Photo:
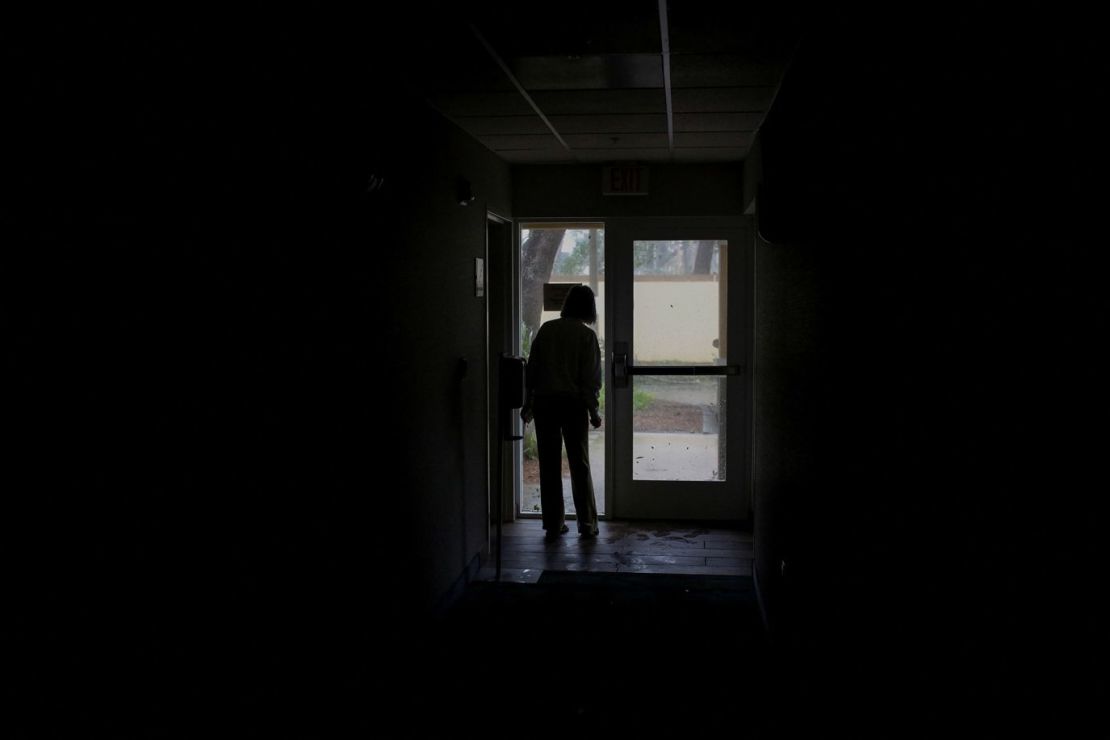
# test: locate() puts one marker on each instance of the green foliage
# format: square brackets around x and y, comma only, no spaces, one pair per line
[530,450]
[525,339]
[640,399]
[578,261]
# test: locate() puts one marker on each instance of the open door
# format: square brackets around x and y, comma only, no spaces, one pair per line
[555,255]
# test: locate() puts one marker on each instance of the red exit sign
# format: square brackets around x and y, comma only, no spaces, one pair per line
[627,180]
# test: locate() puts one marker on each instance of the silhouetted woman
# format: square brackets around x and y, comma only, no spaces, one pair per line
[563,379]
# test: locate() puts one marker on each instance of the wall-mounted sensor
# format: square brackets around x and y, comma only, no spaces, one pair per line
[375,183]
[464,194]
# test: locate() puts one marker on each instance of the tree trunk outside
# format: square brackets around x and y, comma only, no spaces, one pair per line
[704,259]
[537,259]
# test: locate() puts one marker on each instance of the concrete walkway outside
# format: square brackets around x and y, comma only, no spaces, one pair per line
[655,456]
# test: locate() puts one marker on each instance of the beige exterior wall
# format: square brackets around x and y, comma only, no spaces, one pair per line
[676,320]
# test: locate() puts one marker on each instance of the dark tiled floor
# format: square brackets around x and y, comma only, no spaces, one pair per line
[592,654]
[624,547]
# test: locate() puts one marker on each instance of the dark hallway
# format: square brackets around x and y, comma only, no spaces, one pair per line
[247,487]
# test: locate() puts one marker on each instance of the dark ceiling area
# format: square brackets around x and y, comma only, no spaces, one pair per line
[634,80]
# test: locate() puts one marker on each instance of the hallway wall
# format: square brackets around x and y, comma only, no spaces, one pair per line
[786,362]
[437,419]
[923,358]
[242,444]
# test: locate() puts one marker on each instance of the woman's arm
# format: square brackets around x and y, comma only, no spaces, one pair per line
[530,366]
[591,380]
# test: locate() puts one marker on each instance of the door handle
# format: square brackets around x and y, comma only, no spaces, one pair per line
[685,370]
[620,370]
[620,365]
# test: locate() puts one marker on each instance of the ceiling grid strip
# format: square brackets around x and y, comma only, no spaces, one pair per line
[516,83]
[665,35]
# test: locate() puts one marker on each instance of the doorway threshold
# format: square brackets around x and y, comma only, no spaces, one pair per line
[676,548]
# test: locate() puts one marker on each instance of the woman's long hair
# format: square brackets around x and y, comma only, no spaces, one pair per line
[579,304]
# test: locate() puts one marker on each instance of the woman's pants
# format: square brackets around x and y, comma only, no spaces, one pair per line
[560,420]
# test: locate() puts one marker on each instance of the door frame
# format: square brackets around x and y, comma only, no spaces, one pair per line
[500,336]
[740,234]
[518,452]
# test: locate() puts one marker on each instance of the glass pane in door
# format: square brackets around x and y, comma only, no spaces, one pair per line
[679,319]
[676,428]
[560,254]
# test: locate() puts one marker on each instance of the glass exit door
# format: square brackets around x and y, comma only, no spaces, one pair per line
[678,369]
